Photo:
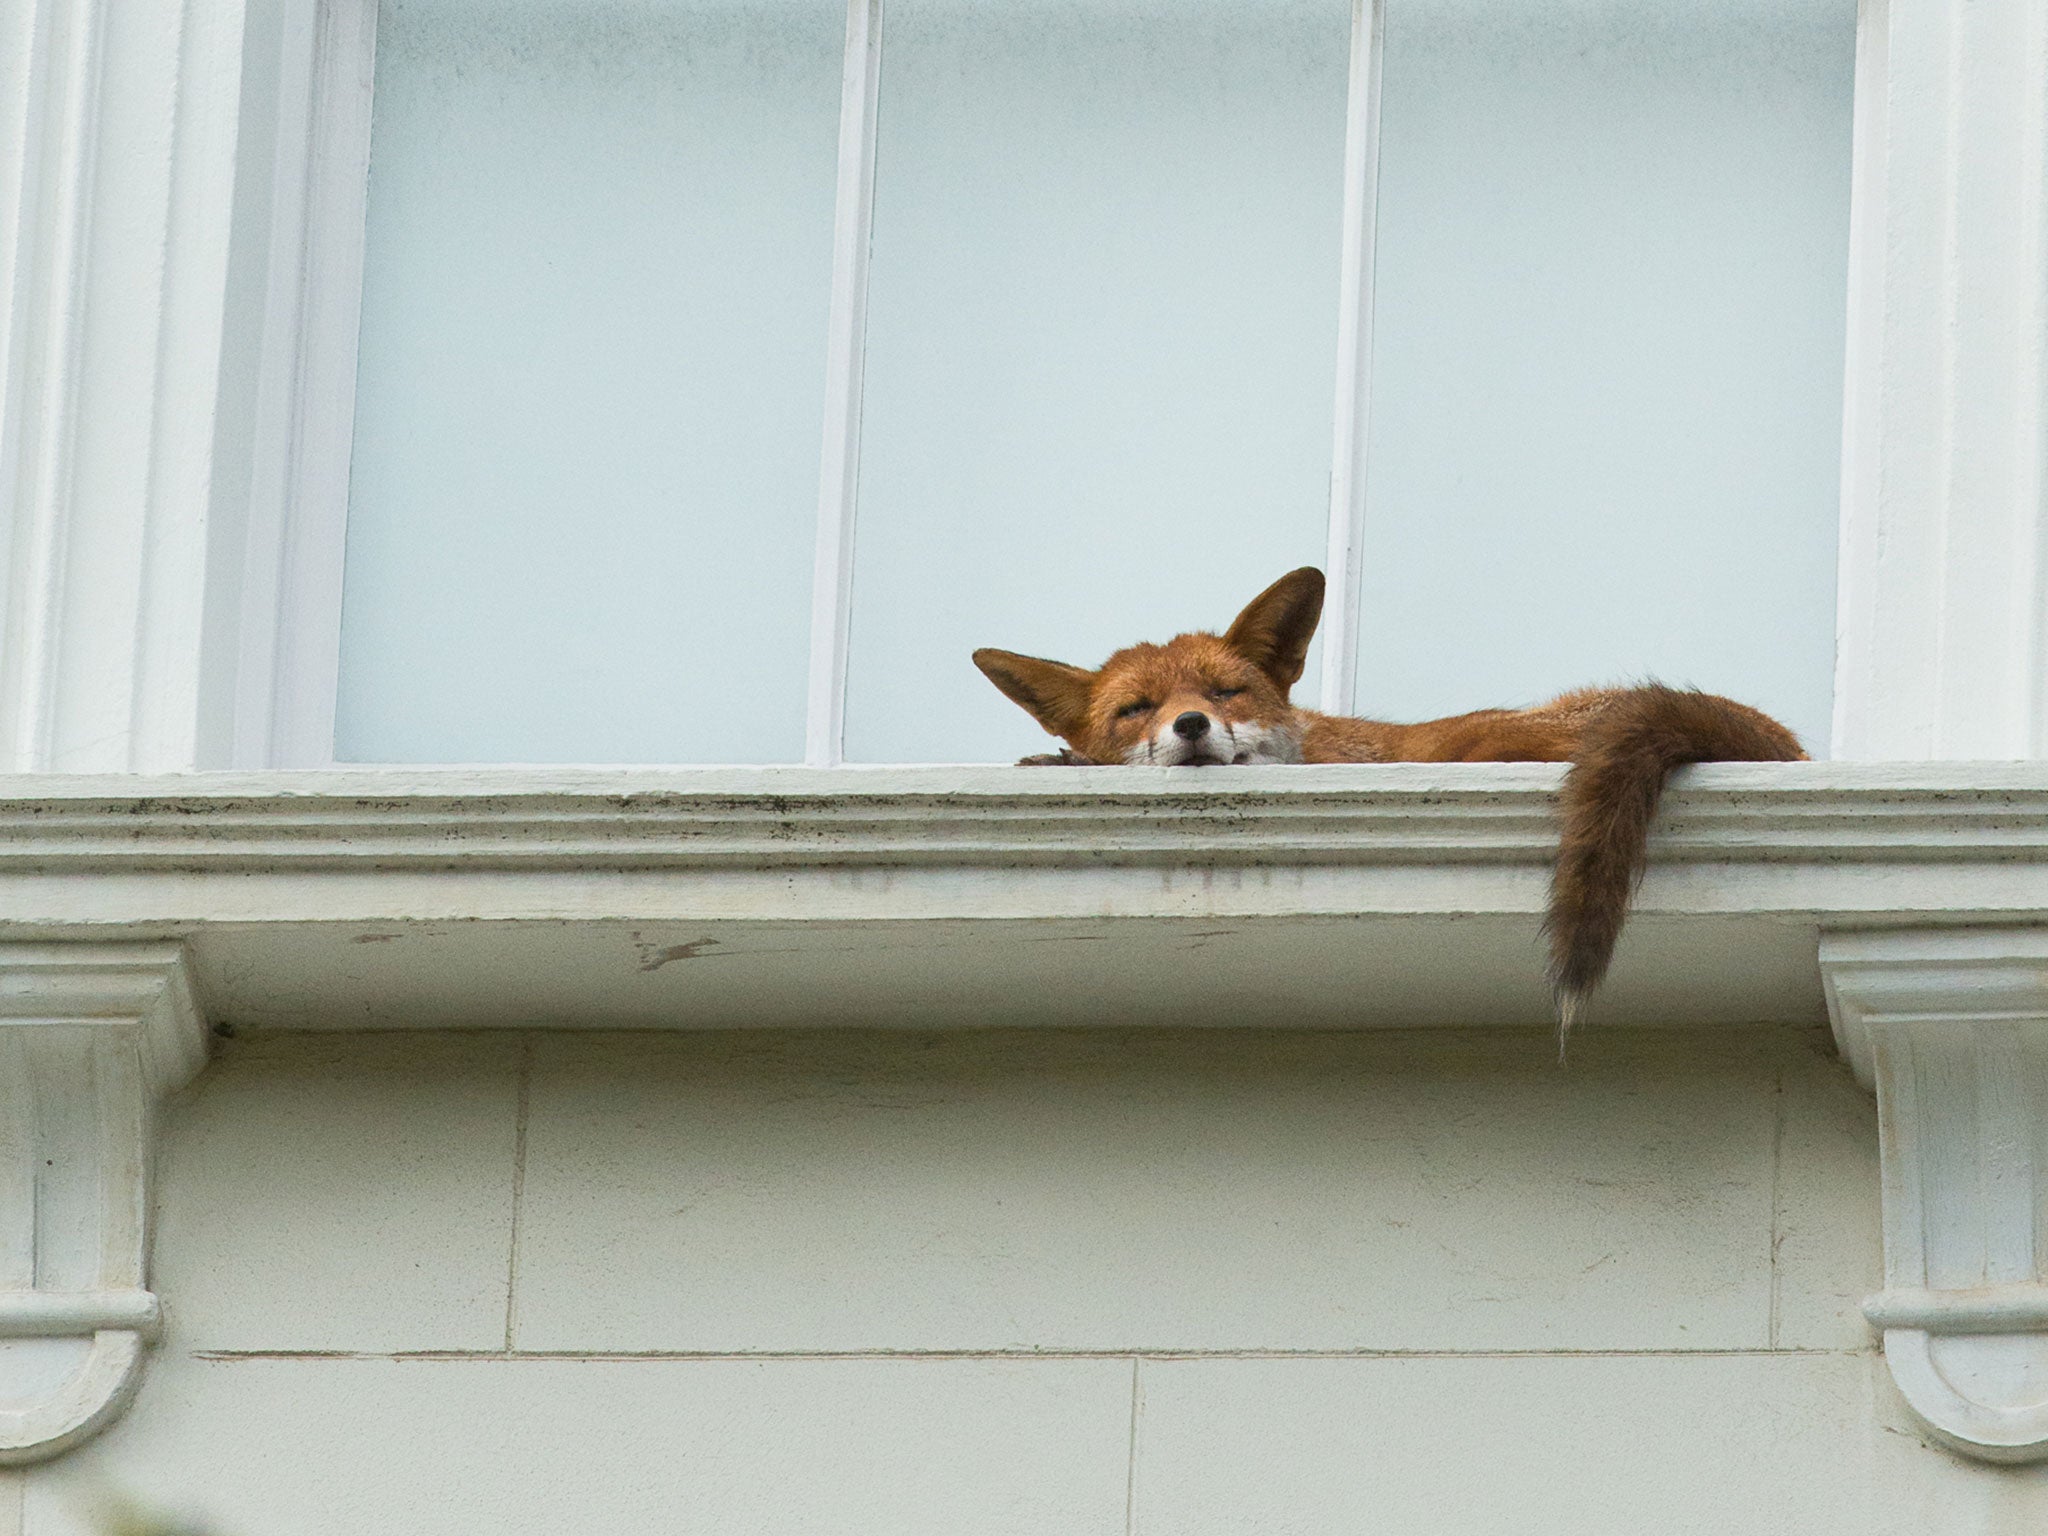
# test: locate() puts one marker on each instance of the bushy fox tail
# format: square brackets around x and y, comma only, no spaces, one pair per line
[1610,795]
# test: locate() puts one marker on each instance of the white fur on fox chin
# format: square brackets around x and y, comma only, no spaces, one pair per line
[1248,744]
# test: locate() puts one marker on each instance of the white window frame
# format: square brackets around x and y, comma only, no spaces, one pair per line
[290,663]
[172,549]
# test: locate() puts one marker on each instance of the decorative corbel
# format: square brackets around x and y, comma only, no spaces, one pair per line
[92,1036]
[1950,1027]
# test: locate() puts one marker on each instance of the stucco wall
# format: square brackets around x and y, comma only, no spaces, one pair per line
[1022,1282]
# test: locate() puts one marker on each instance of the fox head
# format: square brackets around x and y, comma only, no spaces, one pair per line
[1200,700]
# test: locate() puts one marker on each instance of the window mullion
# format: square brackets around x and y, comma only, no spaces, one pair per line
[839,465]
[291,629]
[1354,360]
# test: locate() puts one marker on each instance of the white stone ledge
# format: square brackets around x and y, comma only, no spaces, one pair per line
[1491,813]
[1401,894]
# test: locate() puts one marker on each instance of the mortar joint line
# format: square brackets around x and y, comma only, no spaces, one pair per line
[1131,1458]
[518,1193]
[1053,1356]
[1777,1204]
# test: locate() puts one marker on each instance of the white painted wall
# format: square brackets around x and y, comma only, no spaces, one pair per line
[995,1282]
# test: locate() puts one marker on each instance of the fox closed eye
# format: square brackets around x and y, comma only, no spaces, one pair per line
[1220,694]
[1138,707]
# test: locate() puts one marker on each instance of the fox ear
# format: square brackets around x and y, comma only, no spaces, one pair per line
[1055,694]
[1275,628]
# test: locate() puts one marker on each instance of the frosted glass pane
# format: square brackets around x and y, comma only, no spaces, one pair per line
[583,496]
[1101,340]
[1608,351]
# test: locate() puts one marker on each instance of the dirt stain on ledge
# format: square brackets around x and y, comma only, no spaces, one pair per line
[654,956]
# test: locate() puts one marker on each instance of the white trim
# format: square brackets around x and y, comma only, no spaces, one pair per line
[1363,895]
[2003,1309]
[72,1314]
[839,456]
[2029,260]
[186,588]
[1943,580]
[1965,838]
[291,628]
[1863,346]
[1349,451]
[48,243]
[92,1037]
[276,392]
[1950,1026]
[120,172]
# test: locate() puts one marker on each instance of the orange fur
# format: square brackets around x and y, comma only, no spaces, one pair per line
[1210,700]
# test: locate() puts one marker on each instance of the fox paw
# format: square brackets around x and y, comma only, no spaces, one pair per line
[1066,757]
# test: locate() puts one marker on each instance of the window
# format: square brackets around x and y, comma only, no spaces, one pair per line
[584,481]
[1080,289]
[1607,360]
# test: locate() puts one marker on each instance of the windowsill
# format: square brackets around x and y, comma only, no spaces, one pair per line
[1352,895]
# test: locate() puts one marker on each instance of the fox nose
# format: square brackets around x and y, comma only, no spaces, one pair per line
[1192,726]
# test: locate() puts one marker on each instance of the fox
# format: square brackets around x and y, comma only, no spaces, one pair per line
[1204,700]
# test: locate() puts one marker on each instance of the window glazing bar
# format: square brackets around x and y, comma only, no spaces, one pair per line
[289,666]
[1345,562]
[839,466]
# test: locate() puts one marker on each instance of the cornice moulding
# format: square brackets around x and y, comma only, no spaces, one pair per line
[1401,894]
[639,818]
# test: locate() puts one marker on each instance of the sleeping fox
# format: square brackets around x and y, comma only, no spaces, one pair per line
[1205,700]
